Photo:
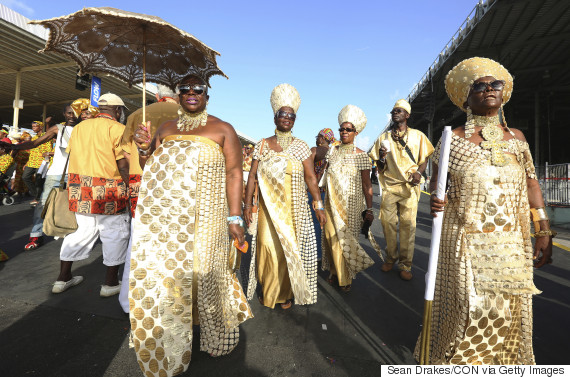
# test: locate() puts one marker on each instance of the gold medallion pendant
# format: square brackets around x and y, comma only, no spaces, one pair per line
[493,136]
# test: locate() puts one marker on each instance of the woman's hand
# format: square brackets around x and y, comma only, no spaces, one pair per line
[415,178]
[321,218]
[437,205]
[543,245]
[237,232]
[248,215]
[141,136]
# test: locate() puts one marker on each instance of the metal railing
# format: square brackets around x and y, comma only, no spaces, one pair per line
[555,184]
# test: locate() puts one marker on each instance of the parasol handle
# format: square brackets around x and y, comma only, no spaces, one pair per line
[144,76]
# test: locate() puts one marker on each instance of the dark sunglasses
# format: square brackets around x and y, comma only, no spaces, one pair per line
[284,114]
[346,129]
[396,111]
[482,86]
[197,89]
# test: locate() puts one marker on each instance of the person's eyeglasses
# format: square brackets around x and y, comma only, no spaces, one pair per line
[396,111]
[197,89]
[346,129]
[482,86]
[284,114]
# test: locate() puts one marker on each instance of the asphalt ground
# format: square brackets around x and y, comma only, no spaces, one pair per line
[78,333]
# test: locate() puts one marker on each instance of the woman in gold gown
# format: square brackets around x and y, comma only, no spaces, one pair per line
[482,308]
[285,245]
[348,195]
[180,273]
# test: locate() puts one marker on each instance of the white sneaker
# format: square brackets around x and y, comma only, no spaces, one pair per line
[108,291]
[61,286]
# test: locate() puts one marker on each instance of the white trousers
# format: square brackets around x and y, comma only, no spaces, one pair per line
[124,294]
[113,230]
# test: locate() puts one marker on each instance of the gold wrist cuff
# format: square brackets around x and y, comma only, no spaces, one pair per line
[318,204]
[544,233]
[538,214]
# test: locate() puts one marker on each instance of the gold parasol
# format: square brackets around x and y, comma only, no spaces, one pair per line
[131,46]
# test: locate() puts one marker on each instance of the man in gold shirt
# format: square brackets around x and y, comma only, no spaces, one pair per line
[159,112]
[98,195]
[401,155]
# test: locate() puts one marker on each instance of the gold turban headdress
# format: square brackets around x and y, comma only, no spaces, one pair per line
[285,95]
[81,104]
[38,122]
[403,104]
[460,78]
[354,115]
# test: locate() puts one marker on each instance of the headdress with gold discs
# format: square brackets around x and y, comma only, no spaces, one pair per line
[458,83]
[353,114]
[285,95]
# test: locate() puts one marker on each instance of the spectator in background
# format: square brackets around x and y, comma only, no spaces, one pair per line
[60,135]
[33,181]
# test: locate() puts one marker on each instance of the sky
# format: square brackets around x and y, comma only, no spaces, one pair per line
[365,53]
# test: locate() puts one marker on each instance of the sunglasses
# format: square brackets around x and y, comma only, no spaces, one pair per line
[396,111]
[284,114]
[482,86]
[346,129]
[196,88]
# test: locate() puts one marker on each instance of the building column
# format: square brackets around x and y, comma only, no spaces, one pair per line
[17,99]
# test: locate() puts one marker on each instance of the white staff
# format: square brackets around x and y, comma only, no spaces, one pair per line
[434,247]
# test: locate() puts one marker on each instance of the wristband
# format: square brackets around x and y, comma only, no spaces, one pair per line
[235,220]
[544,233]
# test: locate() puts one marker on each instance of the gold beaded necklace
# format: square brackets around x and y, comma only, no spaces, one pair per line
[284,139]
[189,121]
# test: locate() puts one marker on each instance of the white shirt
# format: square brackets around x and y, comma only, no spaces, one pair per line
[59,154]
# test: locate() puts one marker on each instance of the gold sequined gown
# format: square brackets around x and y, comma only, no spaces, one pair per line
[344,203]
[482,309]
[179,261]
[286,249]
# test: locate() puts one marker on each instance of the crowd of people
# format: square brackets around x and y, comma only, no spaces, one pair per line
[172,199]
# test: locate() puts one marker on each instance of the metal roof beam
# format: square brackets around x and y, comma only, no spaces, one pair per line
[39,67]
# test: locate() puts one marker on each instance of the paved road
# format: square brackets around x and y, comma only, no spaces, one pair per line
[77,333]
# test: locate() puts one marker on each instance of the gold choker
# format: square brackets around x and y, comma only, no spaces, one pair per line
[189,121]
[284,139]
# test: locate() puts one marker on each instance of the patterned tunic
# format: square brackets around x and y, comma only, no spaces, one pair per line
[344,204]
[6,161]
[36,154]
[179,262]
[482,309]
[284,197]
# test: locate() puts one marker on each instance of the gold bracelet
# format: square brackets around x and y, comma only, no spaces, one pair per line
[318,204]
[544,233]
[538,214]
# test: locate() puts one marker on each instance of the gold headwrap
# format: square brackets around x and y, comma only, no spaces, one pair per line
[38,122]
[354,115]
[403,104]
[285,95]
[460,78]
[83,104]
